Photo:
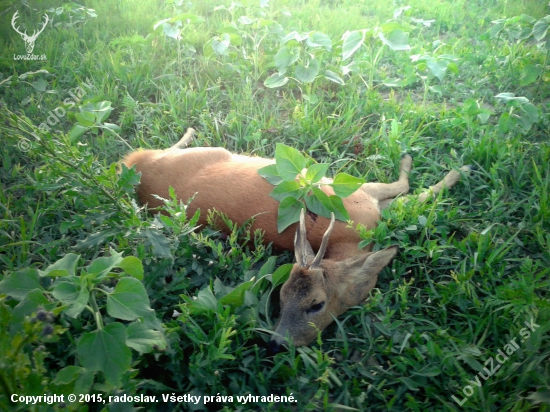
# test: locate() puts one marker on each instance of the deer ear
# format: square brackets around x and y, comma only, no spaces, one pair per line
[364,273]
[377,261]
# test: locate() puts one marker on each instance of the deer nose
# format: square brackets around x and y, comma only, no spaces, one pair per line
[273,347]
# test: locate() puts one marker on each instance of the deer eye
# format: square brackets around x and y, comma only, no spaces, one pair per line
[316,308]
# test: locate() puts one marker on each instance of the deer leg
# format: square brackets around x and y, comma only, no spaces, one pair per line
[383,191]
[185,140]
[448,181]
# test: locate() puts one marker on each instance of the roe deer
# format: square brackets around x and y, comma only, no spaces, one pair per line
[322,285]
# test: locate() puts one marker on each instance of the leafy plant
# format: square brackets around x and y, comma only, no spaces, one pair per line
[72,14]
[91,117]
[426,67]
[521,114]
[101,290]
[519,29]
[243,41]
[173,27]
[375,39]
[298,185]
[300,58]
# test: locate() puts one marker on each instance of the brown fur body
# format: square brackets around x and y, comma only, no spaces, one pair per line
[231,184]
[319,287]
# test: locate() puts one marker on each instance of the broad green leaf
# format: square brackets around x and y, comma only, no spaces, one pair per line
[289,161]
[270,174]
[318,39]
[65,266]
[281,275]
[85,119]
[404,82]
[322,204]
[540,28]
[158,242]
[387,27]
[245,20]
[221,47]
[333,77]
[289,213]
[100,267]
[529,115]
[437,68]
[34,300]
[316,172]
[285,189]
[352,41]
[340,212]
[67,375]
[144,339]
[306,74]
[102,110]
[319,203]
[507,97]
[111,127]
[312,98]
[505,123]
[525,18]
[76,132]
[129,300]
[234,36]
[286,57]
[73,292]
[354,66]
[266,270]
[74,379]
[18,284]
[105,350]
[235,298]
[344,184]
[484,116]
[40,85]
[172,29]
[496,29]
[204,301]
[529,74]
[133,266]
[294,35]
[397,39]
[276,80]
[267,267]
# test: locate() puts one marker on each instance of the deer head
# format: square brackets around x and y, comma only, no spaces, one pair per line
[319,290]
[29,40]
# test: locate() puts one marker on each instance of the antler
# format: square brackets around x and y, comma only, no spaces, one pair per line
[35,34]
[300,242]
[25,35]
[15,16]
[324,243]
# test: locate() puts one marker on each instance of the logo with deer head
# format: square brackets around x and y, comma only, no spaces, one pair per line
[29,40]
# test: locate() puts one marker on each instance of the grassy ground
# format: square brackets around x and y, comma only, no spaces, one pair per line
[438,333]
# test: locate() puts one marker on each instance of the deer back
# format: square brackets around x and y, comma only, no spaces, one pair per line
[231,184]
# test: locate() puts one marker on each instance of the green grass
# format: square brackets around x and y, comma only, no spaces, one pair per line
[472,266]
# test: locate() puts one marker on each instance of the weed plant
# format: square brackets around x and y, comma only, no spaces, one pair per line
[100,298]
